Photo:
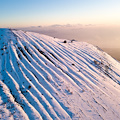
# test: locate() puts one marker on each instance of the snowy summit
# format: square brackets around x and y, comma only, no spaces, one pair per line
[47,78]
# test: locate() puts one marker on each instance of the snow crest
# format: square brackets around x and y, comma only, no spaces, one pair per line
[47,78]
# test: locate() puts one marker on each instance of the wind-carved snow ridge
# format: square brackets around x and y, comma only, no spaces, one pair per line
[47,78]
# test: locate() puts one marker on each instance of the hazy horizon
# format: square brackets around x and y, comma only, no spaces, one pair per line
[99,35]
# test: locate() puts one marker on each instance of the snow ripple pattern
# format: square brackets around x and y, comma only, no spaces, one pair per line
[43,77]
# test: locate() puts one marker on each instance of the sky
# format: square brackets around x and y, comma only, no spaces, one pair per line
[24,13]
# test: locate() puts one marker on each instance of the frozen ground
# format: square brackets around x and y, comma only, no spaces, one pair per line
[42,77]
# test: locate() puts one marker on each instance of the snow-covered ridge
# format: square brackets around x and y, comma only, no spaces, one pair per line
[42,77]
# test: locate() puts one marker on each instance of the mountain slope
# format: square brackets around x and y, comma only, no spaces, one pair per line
[48,78]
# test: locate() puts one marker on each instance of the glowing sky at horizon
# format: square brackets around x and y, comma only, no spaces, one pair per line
[22,13]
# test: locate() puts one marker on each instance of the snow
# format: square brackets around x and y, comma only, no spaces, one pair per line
[42,77]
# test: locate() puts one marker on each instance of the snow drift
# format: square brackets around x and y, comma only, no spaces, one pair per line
[42,77]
